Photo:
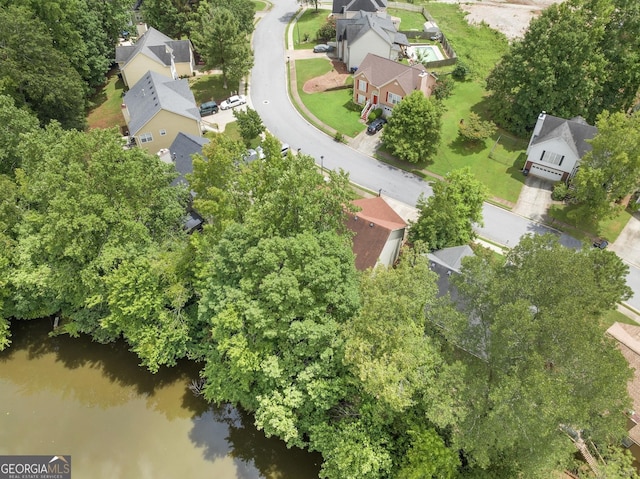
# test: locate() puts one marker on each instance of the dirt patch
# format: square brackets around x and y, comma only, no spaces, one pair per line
[509,17]
[331,80]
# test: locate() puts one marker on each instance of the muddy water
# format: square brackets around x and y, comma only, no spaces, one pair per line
[72,396]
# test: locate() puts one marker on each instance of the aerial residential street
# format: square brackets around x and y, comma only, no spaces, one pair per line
[269,96]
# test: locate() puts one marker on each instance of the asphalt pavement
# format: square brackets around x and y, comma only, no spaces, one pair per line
[270,98]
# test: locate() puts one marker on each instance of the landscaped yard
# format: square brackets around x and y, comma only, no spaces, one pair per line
[583,227]
[259,5]
[330,107]
[106,111]
[209,87]
[408,20]
[304,30]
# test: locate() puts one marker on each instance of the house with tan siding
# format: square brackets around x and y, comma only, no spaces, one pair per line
[157,108]
[383,83]
[156,52]
[366,33]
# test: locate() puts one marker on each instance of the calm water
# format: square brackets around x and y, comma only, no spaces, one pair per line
[73,396]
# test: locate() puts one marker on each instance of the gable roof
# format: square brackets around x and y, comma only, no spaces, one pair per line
[351,29]
[155,92]
[574,132]
[372,227]
[157,46]
[341,6]
[451,258]
[182,149]
[381,71]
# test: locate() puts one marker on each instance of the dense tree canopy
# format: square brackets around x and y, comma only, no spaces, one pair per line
[447,218]
[413,131]
[611,170]
[575,59]
[538,357]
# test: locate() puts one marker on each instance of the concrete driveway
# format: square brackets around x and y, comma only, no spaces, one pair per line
[535,199]
[367,144]
[627,245]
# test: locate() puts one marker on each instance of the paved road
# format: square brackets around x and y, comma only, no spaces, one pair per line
[270,99]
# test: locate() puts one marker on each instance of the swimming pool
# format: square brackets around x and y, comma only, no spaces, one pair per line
[424,53]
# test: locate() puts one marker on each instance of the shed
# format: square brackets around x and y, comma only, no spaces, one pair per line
[430,28]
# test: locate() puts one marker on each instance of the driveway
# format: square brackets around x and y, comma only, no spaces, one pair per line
[367,144]
[627,245]
[535,199]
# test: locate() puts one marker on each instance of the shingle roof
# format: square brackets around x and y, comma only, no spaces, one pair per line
[157,46]
[182,149]
[380,71]
[574,132]
[155,92]
[351,29]
[372,227]
[340,6]
[451,258]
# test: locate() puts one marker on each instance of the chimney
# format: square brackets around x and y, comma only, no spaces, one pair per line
[537,128]
[125,113]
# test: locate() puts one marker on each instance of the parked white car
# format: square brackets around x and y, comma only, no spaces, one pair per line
[233,101]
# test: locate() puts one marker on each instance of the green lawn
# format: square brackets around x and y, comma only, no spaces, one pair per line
[307,26]
[330,107]
[613,316]
[105,111]
[209,87]
[408,20]
[259,5]
[579,223]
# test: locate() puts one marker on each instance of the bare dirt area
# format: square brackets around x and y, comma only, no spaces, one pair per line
[509,17]
[330,80]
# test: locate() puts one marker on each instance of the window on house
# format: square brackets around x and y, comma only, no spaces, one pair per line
[163,132]
[361,98]
[362,85]
[393,98]
[552,158]
[146,138]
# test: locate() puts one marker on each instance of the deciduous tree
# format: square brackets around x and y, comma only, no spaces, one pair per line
[611,170]
[249,124]
[447,218]
[413,131]
[537,357]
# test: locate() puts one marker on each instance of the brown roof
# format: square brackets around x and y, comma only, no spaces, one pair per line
[372,227]
[628,337]
[378,210]
[380,71]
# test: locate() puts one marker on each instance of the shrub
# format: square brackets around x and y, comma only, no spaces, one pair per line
[443,88]
[560,191]
[339,137]
[461,71]
[377,113]
[475,130]
[327,31]
[353,106]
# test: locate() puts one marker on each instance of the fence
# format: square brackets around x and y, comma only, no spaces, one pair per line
[451,59]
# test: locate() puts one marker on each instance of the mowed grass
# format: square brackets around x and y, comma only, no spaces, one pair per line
[579,223]
[106,111]
[330,107]
[307,26]
[259,5]
[408,20]
[208,88]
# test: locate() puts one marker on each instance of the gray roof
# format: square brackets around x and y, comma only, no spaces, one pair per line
[451,258]
[341,6]
[574,132]
[351,29]
[157,46]
[380,71]
[182,150]
[155,92]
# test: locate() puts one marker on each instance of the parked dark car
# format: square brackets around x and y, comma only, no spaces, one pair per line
[323,48]
[375,126]
[208,108]
[600,243]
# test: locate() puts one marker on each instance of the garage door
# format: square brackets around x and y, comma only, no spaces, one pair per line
[546,173]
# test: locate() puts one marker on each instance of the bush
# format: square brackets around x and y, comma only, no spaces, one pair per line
[560,191]
[475,130]
[377,113]
[339,137]
[327,31]
[353,106]
[461,71]
[443,88]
